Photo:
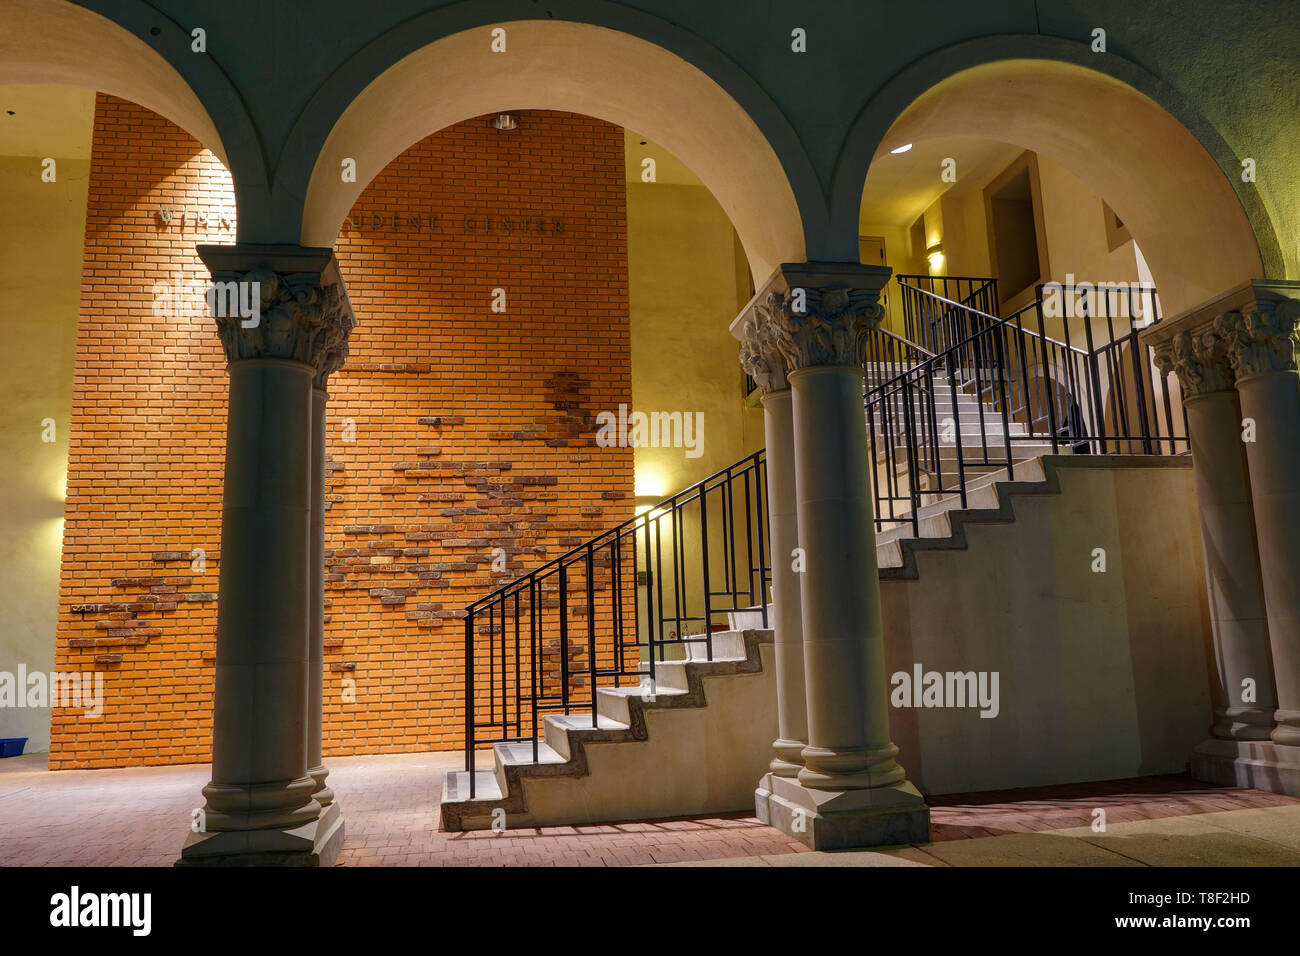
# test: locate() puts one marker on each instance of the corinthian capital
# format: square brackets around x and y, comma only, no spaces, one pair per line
[826,326]
[759,355]
[1200,360]
[1261,338]
[809,314]
[282,303]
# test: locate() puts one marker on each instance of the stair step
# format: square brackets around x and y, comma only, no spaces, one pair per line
[613,701]
[557,727]
[750,617]
[727,646]
[455,786]
[933,518]
[515,754]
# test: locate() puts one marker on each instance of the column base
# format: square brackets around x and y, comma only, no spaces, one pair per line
[843,819]
[763,799]
[313,844]
[788,760]
[322,794]
[1261,765]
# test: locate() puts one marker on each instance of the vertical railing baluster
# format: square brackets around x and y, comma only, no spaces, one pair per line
[469,698]
[704,541]
[591,628]
[564,636]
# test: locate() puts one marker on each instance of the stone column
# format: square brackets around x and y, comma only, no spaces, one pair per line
[1261,340]
[763,361]
[1244,704]
[282,317]
[850,791]
[316,650]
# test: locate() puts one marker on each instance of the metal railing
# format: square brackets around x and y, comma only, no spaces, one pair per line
[606,612]
[939,311]
[991,393]
[1011,389]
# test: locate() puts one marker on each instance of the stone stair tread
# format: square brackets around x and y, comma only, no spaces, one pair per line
[583,722]
[640,691]
[455,786]
[717,659]
[518,753]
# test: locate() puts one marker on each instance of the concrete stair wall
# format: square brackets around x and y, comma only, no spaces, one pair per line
[696,745]
[1102,674]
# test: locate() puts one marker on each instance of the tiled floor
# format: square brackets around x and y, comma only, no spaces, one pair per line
[390,802]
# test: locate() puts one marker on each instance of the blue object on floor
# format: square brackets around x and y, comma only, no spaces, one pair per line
[12,746]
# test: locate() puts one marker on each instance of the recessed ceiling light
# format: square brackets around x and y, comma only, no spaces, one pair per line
[902,149]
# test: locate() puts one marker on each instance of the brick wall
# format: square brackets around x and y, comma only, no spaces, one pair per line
[453,430]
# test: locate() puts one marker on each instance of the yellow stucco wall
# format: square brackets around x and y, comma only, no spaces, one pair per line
[40,283]
[684,291]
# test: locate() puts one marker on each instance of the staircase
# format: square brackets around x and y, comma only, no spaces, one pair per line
[653,750]
[953,421]
[633,677]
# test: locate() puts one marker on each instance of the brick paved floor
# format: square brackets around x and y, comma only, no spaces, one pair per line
[139,817]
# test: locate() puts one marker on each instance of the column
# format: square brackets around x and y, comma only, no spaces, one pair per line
[280,312]
[762,360]
[851,791]
[334,355]
[1245,699]
[1261,339]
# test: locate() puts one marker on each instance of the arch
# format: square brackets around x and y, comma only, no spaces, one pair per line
[101,48]
[378,104]
[1200,232]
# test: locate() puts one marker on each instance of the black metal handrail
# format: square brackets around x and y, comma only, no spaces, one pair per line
[1089,387]
[941,310]
[606,612]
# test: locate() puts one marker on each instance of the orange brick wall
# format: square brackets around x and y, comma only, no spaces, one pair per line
[452,430]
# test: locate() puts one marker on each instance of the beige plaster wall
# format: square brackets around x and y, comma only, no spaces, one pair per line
[40,281]
[1102,675]
[899,257]
[684,290]
[1073,219]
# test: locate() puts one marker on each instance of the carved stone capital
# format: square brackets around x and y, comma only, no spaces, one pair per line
[824,326]
[282,303]
[1261,338]
[809,314]
[759,355]
[1200,359]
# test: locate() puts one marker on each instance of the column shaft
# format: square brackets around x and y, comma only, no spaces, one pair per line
[1232,569]
[259,758]
[791,700]
[1272,401]
[316,670]
[844,668]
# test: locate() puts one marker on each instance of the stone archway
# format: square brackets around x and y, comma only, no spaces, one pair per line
[1201,233]
[579,68]
[60,43]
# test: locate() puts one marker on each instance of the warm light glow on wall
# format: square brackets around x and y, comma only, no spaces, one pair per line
[934,254]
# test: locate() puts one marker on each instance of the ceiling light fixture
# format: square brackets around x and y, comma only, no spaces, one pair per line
[504,121]
[902,149]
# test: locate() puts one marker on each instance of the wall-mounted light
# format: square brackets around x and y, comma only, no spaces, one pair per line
[504,121]
[934,253]
[902,149]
